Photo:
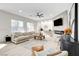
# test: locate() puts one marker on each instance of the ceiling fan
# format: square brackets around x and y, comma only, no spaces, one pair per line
[39,14]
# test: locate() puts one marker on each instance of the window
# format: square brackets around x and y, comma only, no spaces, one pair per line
[14,26]
[30,27]
[20,26]
[17,26]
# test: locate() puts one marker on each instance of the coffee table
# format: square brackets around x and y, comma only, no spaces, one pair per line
[39,37]
[39,51]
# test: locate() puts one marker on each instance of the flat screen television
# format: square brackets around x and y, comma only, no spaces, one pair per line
[58,22]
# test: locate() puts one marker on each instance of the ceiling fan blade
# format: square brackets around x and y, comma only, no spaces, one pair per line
[41,14]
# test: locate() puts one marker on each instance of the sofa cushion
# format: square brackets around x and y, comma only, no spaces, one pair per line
[17,34]
[28,33]
[21,38]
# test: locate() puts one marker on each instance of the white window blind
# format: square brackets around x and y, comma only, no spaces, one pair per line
[30,27]
[17,26]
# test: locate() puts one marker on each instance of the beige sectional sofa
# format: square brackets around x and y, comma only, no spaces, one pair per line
[19,37]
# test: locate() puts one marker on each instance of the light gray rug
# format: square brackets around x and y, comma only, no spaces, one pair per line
[24,49]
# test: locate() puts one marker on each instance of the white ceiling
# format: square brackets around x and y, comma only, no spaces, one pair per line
[29,10]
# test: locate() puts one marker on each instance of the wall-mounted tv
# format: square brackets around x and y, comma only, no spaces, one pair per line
[58,22]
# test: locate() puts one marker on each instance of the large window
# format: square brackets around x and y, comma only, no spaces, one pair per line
[17,26]
[30,27]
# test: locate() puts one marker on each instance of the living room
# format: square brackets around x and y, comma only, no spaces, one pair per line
[34,28]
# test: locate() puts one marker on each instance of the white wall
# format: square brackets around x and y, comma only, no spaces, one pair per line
[5,23]
[63,15]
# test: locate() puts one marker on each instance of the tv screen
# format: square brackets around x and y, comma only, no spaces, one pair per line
[58,22]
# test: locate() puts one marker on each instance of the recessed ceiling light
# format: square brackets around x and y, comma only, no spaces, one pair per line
[20,11]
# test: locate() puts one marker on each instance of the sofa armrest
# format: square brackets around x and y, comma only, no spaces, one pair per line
[53,54]
[59,53]
[64,53]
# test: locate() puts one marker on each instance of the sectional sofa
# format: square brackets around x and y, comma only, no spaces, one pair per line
[19,37]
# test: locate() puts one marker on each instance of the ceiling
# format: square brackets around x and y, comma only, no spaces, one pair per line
[29,10]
